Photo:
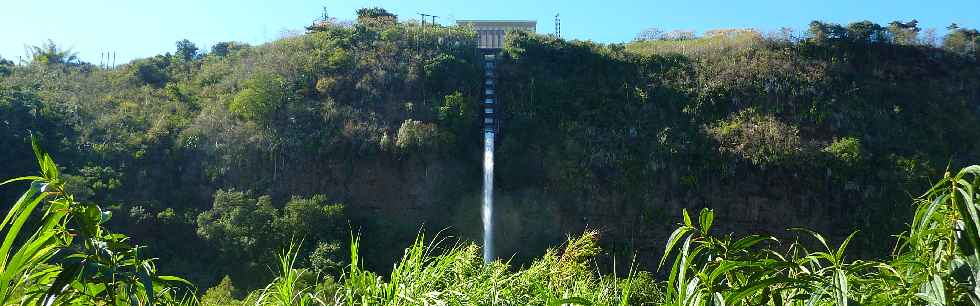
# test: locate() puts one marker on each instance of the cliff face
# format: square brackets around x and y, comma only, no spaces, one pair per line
[772,134]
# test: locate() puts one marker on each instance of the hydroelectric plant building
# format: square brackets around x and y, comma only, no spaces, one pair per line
[490,33]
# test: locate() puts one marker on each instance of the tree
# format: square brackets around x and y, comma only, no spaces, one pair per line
[846,150]
[319,224]
[864,32]
[818,32]
[224,48]
[678,35]
[823,33]
[785,34]
[376,16]
[458,116]
[929,37]
[904,33]
[649,34]
[262,96]
[186,50]
[961,40]
[414,135]
[458,112]
[221,294]
[6,67]
[249,229]
[240,224]
[151,71]
[220,49]
[311,219]
[50,54]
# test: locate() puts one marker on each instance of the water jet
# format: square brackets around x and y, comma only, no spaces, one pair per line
[490,40]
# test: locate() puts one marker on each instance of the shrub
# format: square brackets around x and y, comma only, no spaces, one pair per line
[376,16]
[247,229]
[262,95]
[222,294]
[150,71]
[762,139]
[417,136]
[324,259]
[239,223]
[847,150]
[458,113]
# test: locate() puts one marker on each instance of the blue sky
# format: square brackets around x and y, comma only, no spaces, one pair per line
[136,29]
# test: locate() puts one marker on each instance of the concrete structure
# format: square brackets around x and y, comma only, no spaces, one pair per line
[490,123]
[490,33]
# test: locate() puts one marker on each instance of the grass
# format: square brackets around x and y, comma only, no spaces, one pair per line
[455,275]
[701,47]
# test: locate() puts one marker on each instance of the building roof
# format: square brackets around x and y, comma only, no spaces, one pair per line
[513,22]
[493,20]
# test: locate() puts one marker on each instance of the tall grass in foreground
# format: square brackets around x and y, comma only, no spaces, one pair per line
[287,288]
[456,275]
[936,261]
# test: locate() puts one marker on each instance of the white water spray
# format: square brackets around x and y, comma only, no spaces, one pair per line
[487,195]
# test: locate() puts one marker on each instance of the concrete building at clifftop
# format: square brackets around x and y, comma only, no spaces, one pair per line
[490,33]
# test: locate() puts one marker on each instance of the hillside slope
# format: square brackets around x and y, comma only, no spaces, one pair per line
[223,153]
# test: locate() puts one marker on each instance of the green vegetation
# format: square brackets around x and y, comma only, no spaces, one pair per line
[57,251]
[761,139]
[247,143]
[756,126]
[69,257]
[934,263]
[215,161]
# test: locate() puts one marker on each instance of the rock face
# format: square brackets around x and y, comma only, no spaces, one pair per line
[391,201]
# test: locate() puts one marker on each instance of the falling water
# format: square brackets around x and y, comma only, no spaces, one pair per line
[488,195]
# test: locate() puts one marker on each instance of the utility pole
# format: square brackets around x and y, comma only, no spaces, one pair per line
[418,40]
[423,19]
[557,26]
[422,30]
[433,19]
[420,47]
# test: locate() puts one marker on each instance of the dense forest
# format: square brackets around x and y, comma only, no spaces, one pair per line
[364,135]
